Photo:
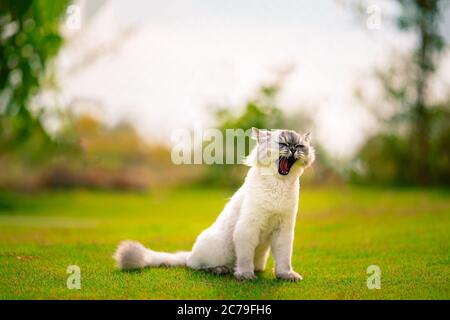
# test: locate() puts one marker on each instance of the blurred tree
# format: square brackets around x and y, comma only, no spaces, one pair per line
[413,144]
[263,112]
[29,39]
[260,112]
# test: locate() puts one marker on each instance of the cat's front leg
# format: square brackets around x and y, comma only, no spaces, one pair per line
[245,240]
[282,243]
[261,256]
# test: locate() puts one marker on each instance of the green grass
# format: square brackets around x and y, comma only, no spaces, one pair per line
[339,233]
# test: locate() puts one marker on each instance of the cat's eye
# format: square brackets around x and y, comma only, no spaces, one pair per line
[300,146]
[283,144]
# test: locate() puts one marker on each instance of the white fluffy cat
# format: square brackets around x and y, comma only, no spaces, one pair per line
[260,216]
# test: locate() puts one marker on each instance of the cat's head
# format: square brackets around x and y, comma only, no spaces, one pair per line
[282,152]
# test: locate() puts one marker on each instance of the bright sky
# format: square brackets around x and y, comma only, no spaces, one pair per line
[187,54]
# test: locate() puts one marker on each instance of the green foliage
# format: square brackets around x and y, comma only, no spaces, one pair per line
[261,112]
[387,156]
[423,16]
[30,38]
[107,157]
[412,146]
[339,233]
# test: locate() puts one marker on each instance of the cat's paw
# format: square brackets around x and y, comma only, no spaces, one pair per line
[244,275]
[289,276]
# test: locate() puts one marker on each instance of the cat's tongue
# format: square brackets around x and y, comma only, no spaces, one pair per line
[284,166]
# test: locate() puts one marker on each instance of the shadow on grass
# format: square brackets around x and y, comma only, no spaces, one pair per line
[265,277]
[207,285]
[225,286]
[131,271]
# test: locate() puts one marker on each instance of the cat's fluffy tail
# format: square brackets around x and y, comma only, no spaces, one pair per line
[133,255]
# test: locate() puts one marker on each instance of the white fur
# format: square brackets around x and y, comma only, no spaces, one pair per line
[133,255]
[260,216]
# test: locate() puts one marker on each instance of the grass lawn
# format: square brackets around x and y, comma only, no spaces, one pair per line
[339,233]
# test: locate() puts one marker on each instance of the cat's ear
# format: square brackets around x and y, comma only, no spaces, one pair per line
[259,135]
[307,137]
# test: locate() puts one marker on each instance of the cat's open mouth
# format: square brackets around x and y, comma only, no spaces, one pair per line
[285,165]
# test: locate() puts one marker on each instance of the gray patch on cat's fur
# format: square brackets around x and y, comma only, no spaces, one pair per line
[289,137]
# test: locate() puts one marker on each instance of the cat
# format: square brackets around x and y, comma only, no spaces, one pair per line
[259,217]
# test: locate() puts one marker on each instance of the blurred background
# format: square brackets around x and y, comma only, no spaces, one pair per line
[91,91]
